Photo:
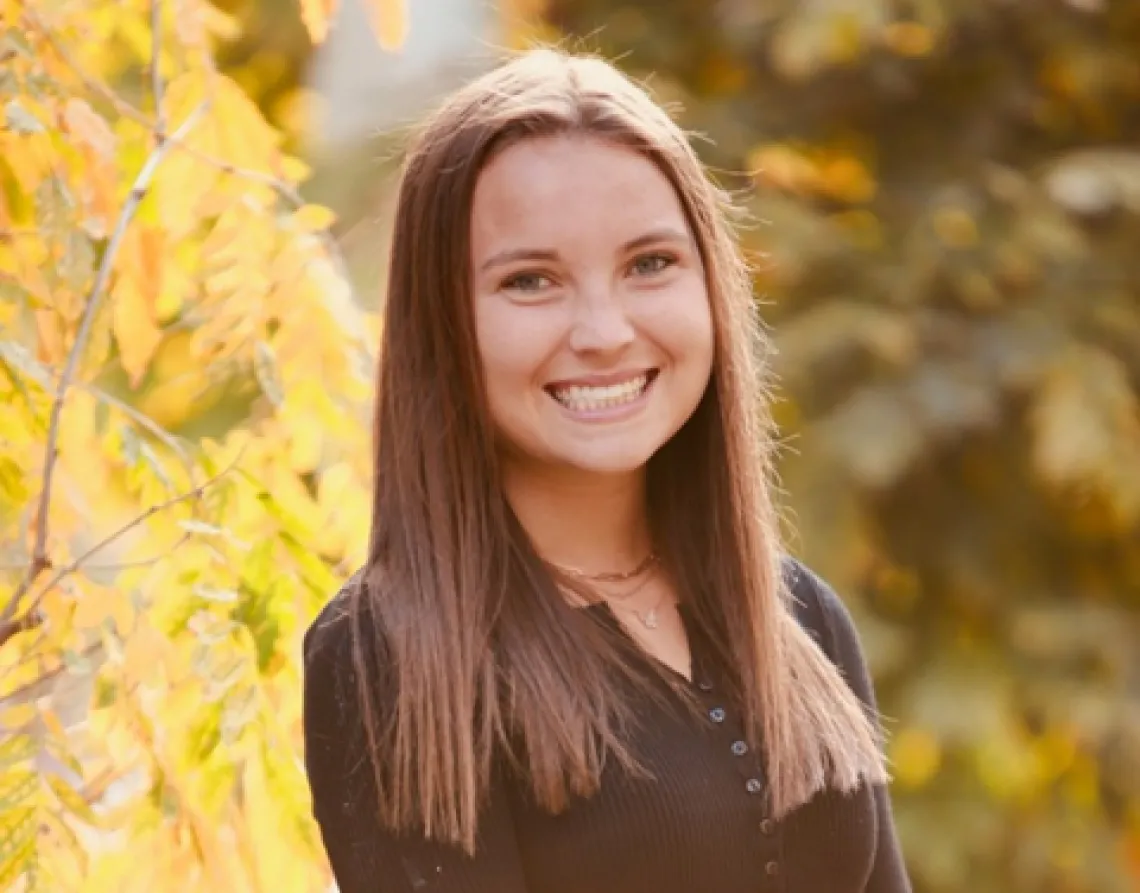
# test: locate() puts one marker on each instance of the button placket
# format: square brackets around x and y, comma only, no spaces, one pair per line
[751,769]
[772,843]
[750,766]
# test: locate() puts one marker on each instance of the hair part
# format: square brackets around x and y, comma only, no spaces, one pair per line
[463,646]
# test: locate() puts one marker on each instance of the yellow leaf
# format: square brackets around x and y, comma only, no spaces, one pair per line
[294,169]
[16,207]
[136,331]
[955,227]
[316,14]
[189,23]
[217,23]
[916,756]
[16,716]
[88,128]
[783,167]
[909,38]
[846,178]
[312,218]
[389,20]
[98,176]
[150,246]
[50,338]
[72,800]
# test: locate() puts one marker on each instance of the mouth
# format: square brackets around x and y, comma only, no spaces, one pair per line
[591,398]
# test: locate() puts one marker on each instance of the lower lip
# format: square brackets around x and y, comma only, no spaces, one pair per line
[609,413]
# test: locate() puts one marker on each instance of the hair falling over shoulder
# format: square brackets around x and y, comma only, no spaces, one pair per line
[462,646]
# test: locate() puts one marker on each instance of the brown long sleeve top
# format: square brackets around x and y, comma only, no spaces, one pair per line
[699,826]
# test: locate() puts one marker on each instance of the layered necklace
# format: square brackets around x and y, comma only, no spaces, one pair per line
[642,574]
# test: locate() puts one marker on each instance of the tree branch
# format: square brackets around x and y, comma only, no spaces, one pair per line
[285,190]
[29,619]
[40,559]
[32,689]
[143,421]
[155,69]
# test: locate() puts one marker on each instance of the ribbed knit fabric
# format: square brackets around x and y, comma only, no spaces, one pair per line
[699,826]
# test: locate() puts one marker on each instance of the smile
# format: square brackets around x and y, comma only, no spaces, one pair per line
[593,398]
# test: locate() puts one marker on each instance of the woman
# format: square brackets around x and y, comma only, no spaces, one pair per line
[577,660]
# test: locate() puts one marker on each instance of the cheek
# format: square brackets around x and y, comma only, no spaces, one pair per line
[513,346]
[683,328]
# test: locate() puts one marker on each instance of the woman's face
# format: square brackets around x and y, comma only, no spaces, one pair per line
[591,308]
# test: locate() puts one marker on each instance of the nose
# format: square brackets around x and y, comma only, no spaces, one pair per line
[600,325]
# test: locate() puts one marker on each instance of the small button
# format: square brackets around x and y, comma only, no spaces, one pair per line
[704,685]
[754,786]
[717,714]
[772,869]
[767,826]
[740,748]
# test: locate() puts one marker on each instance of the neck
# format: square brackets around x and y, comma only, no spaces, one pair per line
[591,523]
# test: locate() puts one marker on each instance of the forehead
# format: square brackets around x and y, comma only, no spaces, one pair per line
[570,189]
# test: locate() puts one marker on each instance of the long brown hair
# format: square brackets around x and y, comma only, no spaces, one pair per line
[462,645]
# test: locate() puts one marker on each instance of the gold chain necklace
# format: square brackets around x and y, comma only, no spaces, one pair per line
[611,576]
[649,619]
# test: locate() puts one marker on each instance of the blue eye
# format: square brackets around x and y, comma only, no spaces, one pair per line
[526,282]
[648,264]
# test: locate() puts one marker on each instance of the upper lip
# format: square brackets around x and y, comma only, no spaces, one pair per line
[600,379]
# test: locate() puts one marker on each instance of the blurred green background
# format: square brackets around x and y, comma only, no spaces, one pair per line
[944,215]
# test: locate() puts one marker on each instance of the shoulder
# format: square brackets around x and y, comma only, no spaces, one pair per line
[817,606]
[827,619]
[330,631]
[328,649]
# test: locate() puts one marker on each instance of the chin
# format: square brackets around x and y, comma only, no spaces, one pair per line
[609,462]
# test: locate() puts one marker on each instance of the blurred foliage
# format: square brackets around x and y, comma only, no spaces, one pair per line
[184,456]
[267,45]
[945,204]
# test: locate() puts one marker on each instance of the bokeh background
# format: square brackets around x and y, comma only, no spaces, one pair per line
[943,209]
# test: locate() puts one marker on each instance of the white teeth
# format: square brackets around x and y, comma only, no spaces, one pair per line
[580,398]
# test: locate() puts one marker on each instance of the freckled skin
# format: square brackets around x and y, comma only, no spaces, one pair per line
[584,301]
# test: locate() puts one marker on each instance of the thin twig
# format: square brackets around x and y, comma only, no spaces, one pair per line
[40,560]
[142,420]
[120,105]
[127,110]
[281,187]
[29,620]
[141,562]
[29,689]
[155,71]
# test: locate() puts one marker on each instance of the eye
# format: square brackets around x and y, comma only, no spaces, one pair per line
[528,283]
[649,264]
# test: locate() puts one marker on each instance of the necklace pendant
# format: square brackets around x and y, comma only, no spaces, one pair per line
[650,620]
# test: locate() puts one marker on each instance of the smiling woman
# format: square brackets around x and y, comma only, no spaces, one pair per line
[578,660]
[593,323]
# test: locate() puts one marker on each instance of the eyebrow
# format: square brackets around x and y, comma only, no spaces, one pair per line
[653,237]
